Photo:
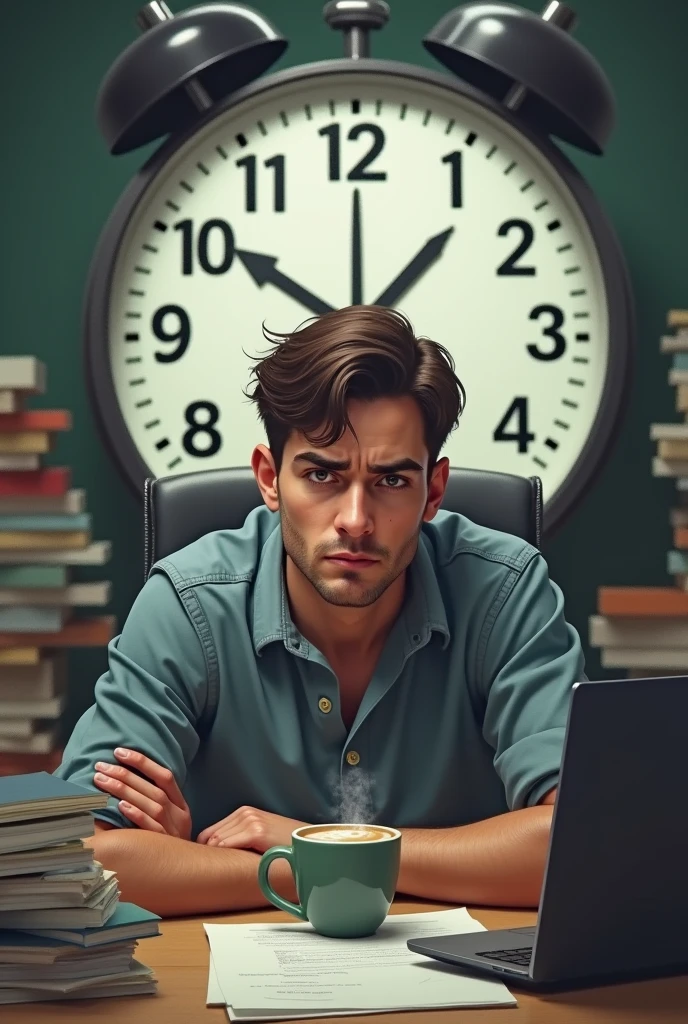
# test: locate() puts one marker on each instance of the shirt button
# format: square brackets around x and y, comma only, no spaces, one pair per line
[353,757]
[325,705]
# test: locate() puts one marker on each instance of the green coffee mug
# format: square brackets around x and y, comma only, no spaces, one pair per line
[345,875]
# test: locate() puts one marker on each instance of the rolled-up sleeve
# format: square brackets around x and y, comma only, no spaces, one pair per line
[533,656]
[150,697]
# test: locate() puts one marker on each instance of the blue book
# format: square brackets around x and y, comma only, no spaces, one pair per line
[32,619]
[41,795]
[680,361]
[79,521]
[127,922]
[677,562]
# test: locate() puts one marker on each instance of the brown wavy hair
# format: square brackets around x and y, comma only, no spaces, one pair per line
[362,352]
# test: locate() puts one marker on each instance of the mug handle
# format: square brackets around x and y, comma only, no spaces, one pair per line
[275,853]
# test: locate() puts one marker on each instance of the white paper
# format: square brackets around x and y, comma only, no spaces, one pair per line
[284,970]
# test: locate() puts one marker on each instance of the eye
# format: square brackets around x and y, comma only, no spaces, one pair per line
[318,476]
[396,483]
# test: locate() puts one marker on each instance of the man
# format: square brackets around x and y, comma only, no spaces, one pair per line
[350,653]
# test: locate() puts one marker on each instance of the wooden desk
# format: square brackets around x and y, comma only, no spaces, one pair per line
[180,960]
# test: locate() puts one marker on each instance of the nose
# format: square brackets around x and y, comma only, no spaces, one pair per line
[353,515]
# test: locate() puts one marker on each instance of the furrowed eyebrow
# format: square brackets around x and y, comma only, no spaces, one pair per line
[388,468]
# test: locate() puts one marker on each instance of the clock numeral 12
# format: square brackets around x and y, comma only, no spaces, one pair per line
[207,426]
[277,164]
[519,410]
[333,134]
[226,246]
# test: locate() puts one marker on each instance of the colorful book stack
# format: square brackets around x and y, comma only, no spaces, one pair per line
[644,630]
[44,532]
[63,932]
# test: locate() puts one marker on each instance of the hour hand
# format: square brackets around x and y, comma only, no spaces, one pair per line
[263,270]
[431,251]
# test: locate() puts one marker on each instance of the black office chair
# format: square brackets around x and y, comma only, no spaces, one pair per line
[180,509]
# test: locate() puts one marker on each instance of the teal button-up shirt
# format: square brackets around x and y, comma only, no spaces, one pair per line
[463,718]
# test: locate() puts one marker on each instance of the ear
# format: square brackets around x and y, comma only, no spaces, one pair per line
[436,488]
[263,466]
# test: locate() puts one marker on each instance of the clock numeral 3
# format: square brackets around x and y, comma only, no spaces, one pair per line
[518,410]
[207,426]
[223,246]
[508,268]
[552,332]
[277,164]
[181,335]
[359,172]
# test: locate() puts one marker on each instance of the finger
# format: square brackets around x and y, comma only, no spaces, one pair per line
[161,776]
[133,796]
[205,835]
[241,839]
[139,818]
[117,773]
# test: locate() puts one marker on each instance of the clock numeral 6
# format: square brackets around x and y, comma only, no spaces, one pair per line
[358,173]
[518,410]
[509,268]
[206,426]
[182,333]
[222,246]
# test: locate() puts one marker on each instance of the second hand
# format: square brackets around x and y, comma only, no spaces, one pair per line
[356,251]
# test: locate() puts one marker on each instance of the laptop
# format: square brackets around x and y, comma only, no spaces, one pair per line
[614,900]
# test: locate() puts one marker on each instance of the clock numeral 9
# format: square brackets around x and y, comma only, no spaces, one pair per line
[518,411]
[277,165]
[223,246]
[182,334]
[206,426]
[509,268]
[358,173]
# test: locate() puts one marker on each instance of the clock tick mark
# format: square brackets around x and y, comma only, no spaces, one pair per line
[222,151]
[132,337]
[151,424]
[142,270]
[139,380]
[560,423]
[149,248]
[510,168]
[136,291]
[428,115]
[581,316]
[569,404]
[172,206]
[539,461]
[582,337]
[262,129]
[470,138]
[565,248]
[450,125]
[578,291]
[331,105]
[378,107]
[162,443]
[571,270]
[551,443]
[241,139]
[185,185]
[553,225]
[174,462]
[145,402]
[202,167]
[528,184]
[581,359]
[309,112]
[284,119]
[402,111]
[543,202]
[355,106]
[576,382]
[491,151]
[133,316]
[133,359]
[160,225]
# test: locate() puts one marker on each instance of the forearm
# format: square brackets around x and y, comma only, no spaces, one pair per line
[173,877]
[496,862]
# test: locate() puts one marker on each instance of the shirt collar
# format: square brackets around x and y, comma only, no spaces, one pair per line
[423,612]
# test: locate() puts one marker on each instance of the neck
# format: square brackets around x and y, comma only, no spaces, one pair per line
[342,633]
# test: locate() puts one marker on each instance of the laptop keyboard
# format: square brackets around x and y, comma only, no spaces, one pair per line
[511,956]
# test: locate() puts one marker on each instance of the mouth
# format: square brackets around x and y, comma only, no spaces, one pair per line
[351,561]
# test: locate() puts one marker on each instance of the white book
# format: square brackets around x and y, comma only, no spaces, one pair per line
[64,917]
[645,657]
[10,401]
[668,431]
[34,682]
[137,980]
[75,595]
[678,517]
[47,858]
[96,553]
[50,708]
[666,467]
[22,463]
[25,373]
[40,743]
[71,503]
[674,342]
[18,728]
[677,377]
[654,632]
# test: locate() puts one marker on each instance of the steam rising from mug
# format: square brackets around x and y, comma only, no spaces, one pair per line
[353,796]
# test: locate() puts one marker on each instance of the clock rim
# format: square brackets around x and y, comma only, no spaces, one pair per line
[603,435]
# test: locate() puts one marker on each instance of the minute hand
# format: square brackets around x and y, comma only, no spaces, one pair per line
[431,251]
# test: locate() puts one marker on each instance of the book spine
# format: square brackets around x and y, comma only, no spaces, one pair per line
[95,632]
[31,620]
[42,522]
[49,481]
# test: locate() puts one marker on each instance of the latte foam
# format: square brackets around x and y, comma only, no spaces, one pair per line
[348,834]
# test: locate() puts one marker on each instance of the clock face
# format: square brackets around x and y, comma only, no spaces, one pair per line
[335,189]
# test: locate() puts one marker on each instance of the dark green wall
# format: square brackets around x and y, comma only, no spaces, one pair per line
[59,185]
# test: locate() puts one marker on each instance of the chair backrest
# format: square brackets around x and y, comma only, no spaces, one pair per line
[180,509]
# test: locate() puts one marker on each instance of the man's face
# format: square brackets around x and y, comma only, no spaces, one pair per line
[351,513]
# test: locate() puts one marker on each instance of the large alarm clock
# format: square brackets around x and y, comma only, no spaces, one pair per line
[355,180]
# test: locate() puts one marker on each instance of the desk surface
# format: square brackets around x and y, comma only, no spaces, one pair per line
[180,959]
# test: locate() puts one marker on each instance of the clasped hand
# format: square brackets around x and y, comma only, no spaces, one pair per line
[155,804]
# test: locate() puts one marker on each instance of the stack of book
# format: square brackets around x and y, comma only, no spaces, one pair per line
[644,630]
[63,932]
[44,531]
